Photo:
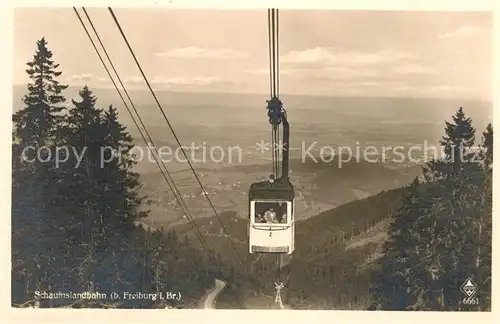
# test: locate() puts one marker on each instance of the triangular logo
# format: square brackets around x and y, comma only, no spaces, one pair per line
[469,287]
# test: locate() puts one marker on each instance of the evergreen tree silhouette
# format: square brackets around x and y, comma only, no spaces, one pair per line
[457,144]
[37,123]
[456,208]
[79,189]
[35,137]
[484,251]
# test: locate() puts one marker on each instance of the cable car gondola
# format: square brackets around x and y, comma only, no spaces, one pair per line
[272,202]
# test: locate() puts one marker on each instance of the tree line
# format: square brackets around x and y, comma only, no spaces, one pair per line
[441,235]
[74,219]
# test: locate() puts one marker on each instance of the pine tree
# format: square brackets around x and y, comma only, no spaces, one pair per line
[122,189]
[121,201]
[34,224]
[484,249]
[80,189]
[457,209]
[457,145]
[37,123]
[487,144]
[157,264]
[395,282]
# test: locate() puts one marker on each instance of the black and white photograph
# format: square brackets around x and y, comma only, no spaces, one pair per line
[252,159]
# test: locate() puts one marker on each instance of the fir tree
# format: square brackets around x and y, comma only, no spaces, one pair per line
[484,249]
[157,264]
[457,146]
[121,201]
[34,223]
[37,123]
[80,189]
[394,284]
[456,186]
[487,145]
[122,189]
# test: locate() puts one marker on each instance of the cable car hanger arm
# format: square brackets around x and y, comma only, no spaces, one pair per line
[277,115]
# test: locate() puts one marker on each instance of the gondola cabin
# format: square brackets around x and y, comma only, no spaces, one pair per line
[271,212]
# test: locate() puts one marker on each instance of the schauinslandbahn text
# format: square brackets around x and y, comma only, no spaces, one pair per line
[70,295]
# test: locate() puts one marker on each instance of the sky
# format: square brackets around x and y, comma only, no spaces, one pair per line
[327,52]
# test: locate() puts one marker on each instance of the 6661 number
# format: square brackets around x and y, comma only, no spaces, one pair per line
[470,301]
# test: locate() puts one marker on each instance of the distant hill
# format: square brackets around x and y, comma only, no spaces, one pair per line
[394,115]
[143,96]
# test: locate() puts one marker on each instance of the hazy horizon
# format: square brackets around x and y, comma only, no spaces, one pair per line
[384,54]
[265,95]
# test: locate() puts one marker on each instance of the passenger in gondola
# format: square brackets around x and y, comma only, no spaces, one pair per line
[259,218]
[270,216]
[282,213]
